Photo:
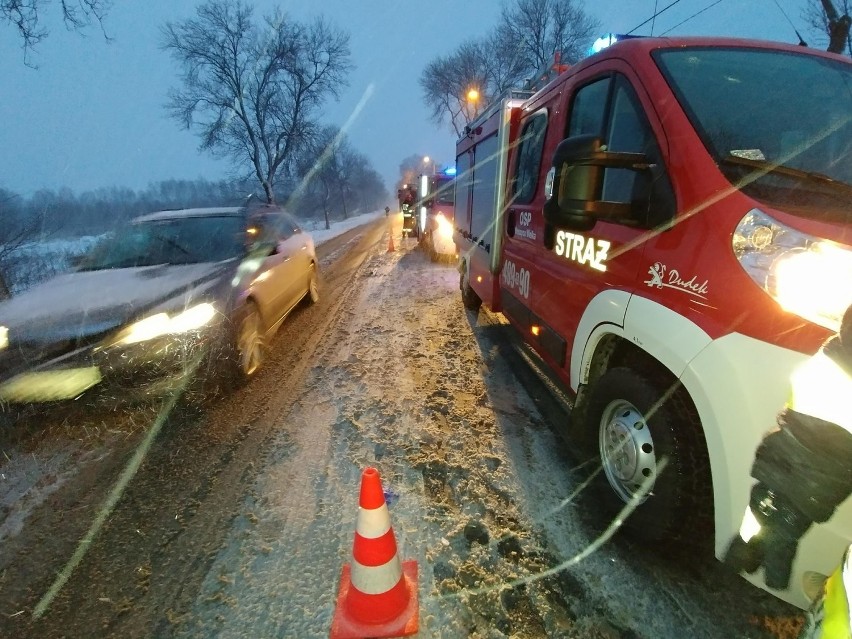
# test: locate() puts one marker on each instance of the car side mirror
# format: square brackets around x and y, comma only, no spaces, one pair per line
[574,186]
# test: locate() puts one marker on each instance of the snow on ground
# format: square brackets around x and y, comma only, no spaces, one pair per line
[477,487]
[402,388]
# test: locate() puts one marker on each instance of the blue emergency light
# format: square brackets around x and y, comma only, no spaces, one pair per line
[608,40]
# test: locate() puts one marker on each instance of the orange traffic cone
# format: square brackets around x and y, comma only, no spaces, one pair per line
[378,593]
[391,249]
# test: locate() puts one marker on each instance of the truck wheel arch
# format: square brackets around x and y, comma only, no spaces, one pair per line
[620,330]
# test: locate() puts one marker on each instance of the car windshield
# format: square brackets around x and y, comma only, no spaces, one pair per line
[799,149]
[187,240]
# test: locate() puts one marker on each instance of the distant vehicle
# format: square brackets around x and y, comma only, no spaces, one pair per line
[437,213]
[151,302]
[666,224]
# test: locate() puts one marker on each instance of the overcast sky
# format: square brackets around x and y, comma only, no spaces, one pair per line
[92,114]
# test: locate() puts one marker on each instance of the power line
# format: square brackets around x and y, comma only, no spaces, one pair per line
[653,22]
[697,13]
[656,13]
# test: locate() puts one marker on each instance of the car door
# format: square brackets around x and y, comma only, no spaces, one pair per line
[290,276]
[302,253]
[270,285]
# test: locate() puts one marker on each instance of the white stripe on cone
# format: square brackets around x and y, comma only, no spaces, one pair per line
[376,580]
[373,522]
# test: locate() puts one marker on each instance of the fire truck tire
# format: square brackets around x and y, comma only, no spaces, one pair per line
[470,299]
[638,436]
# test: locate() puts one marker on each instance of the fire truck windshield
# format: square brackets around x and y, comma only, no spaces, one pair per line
[772,137]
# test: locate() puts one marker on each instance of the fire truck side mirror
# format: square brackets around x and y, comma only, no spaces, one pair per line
[576,179]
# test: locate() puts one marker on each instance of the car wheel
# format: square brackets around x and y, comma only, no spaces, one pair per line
[638,426]
[470,299]
[249,347]
[313,285]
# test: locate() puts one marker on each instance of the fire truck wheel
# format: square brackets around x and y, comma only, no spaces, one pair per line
[470,299]
[650,450]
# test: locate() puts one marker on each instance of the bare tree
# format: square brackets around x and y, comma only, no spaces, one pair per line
[24,16]
[336,177]
[252,90]
[15,231]
[530,34]
[506,67]
[447,80]
[317,167]
[536,30]
[831,21]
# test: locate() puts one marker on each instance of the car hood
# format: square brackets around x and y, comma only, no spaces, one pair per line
[87,303]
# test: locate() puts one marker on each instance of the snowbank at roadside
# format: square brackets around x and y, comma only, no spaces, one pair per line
[321,234]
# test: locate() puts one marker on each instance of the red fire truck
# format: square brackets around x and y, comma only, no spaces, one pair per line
[667,223]
[437,212]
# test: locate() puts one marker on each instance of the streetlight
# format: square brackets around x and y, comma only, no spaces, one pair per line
[427,161]
[473,100]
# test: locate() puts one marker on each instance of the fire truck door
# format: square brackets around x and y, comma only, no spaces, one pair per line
[577,265]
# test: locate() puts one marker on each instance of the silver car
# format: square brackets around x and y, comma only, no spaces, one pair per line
[153,302]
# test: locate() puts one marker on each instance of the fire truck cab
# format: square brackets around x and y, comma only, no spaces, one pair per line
[667,224]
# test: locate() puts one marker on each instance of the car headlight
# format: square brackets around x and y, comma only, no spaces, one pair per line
[162,324]
[445,227]
[4,337]
[806,275]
